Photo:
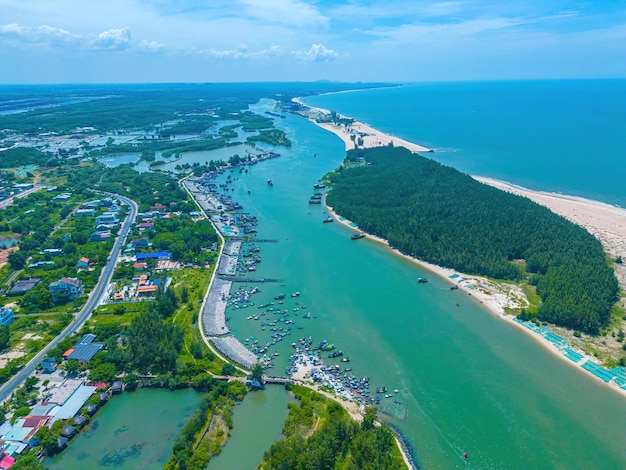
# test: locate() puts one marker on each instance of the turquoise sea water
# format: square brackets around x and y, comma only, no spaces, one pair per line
[561,136]
[468,381]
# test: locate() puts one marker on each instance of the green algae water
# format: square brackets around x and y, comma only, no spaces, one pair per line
[468,381]
[134,430]
[257,424]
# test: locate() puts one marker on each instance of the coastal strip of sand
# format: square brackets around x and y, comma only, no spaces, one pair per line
[367,135]
[605,222]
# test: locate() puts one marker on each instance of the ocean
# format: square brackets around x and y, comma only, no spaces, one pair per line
[564,136]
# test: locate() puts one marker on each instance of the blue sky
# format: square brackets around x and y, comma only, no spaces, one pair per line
[95,41]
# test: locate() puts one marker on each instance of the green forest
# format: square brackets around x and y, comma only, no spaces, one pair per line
[442,216]
[319,434]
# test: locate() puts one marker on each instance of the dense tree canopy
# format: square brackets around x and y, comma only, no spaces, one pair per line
[337,443]
[445,217]
[153,344]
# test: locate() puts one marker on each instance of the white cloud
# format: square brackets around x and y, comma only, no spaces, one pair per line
[242,53]
[112,39]
[151,46]
[37,35]
[290,12]
[316,53]
[410,33]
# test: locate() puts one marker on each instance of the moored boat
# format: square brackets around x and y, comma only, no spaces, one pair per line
[422,280]
[328,220]
[356,236]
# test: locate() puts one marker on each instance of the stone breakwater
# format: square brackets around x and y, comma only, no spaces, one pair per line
[230,347]
[214,312]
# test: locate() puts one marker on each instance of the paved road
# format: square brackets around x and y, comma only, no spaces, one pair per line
[8,201]
[81,317]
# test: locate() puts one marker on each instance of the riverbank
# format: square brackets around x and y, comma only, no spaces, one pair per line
[607,223]
[494,297]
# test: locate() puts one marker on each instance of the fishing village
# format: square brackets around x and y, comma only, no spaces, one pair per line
[282,315]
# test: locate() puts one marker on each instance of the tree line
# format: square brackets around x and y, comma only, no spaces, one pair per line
[442,216]
[334,441]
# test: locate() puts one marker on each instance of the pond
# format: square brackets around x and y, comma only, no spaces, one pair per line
[134,430]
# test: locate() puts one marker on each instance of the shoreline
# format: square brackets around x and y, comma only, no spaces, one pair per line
[607,223]
[371,137]
[492,303]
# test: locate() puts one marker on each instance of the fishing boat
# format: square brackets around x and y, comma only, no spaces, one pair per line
[295,294]
[381,389]
[319,186]
[356,236]
[454,287]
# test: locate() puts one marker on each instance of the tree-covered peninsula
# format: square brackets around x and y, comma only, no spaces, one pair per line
[440,215]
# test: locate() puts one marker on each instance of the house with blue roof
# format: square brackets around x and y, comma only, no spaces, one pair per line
[158,255]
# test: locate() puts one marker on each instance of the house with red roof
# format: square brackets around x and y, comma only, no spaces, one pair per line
[70,286]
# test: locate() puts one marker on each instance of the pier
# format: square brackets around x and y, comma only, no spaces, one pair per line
[228,261]
[231,278]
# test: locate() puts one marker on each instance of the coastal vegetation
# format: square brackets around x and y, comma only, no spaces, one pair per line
[320,434]
[440,215]
[271,136]
[147,189]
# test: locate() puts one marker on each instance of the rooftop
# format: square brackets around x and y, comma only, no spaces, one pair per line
[74,403]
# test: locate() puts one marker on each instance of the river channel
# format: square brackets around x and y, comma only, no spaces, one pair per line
[468,381]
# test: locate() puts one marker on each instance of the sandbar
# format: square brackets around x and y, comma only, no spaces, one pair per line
[370,137]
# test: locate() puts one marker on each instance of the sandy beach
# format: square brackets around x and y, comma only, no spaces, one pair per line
[605,222]
[370,137]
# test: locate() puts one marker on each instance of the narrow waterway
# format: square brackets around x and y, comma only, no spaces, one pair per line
[468,382]
[134,430]
[257,424]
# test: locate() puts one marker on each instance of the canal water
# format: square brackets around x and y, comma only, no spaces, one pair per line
[134,430]
[257,424]
[468,381]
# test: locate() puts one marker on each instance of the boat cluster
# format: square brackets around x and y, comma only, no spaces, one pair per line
[316,198]
[248,259]
[241,297]
[272,316]
[246,223]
